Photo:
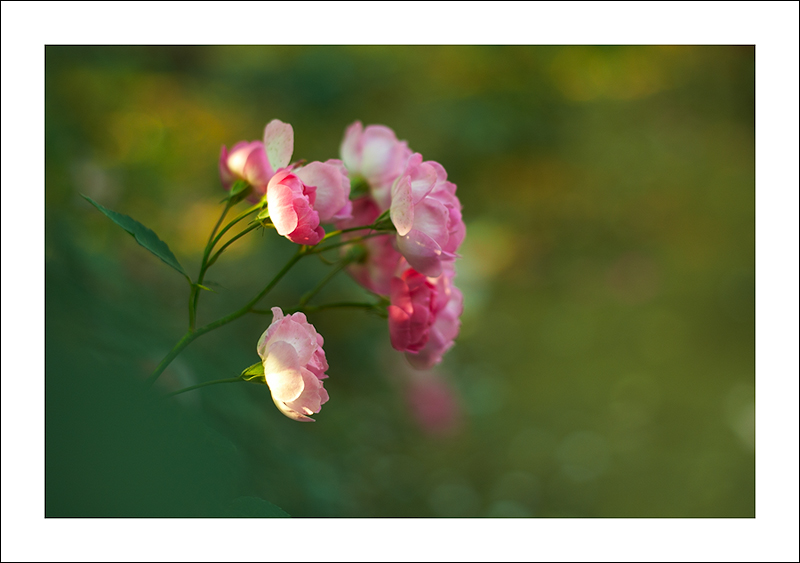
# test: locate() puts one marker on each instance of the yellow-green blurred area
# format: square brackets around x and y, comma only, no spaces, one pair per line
[606,361]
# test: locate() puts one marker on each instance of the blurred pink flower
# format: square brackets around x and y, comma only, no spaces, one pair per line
[433,401]
[376,155]
[294,365]
[411,311]
[427,214]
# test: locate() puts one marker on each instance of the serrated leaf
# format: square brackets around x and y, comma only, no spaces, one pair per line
[144,236]
[253,507]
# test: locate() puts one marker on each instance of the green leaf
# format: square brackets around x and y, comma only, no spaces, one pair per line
[253,507]
[256,371]
[201,286]
[143,236]
[263,215]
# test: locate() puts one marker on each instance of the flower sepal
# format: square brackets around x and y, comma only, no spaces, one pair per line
[358,186]
[384,222]
[254,374]
[239,191]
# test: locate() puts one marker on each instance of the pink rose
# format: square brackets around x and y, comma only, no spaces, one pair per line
[411,312]
[376,155]
[381,260]
[299,201]
[447,306]
[427,214]
[291,207]
[294,365]
[246,161]
[333,189]
[256,162]
[303,197]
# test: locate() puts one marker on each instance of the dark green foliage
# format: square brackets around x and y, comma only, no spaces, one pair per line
[144,236]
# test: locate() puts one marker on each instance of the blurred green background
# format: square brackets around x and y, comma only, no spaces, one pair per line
[606,362]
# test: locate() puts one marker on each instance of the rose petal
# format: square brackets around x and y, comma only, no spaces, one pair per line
[421,252]
[282,371]
[350,147]
[261,347]
[423,179]
[401,295]
[399,329]
[299,335]
[310,401]
[333,188]
[308,230]
[402,209]
[225,173]
[430,217]
[294,415]
[256,169]
[279,143]
[379,147]
[280,203]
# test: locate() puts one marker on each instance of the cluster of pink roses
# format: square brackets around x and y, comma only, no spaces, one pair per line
[298,198]
[413,268]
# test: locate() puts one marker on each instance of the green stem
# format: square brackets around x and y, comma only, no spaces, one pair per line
[194,292]
[206,384]
[340,231]
[228,206]
[330,275]
[235,220]
[336,305]
[193,305]
[205,264]
[317,249]
[236,314]
[182,343]
[231,241]
[191,334]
